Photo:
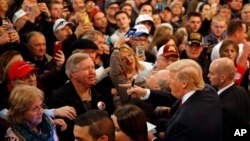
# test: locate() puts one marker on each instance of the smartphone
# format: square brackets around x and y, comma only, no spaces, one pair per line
[5,22]
[57,46]
[130,33]
[10,27]
[140,51]
[86,18]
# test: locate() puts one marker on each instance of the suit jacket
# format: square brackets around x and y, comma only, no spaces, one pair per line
[161,98]
[235,104]
[198,119]
[67,96]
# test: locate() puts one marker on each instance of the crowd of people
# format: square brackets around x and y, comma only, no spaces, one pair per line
[102,69]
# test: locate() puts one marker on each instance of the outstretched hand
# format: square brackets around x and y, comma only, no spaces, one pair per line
[134,91]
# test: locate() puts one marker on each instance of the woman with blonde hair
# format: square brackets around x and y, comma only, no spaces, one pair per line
[124,67]
[130,61]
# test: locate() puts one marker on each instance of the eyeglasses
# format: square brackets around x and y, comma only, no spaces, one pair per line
[37,108]
[145,40]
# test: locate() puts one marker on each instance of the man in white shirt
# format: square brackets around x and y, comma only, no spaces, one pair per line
[123,22]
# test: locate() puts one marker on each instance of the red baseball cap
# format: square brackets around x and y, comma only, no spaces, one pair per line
[19,69]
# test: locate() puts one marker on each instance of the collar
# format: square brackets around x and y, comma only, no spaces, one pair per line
[187,95]
[223,89]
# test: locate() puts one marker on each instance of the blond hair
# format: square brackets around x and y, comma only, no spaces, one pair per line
[20,99]
[126,48]
[187,70]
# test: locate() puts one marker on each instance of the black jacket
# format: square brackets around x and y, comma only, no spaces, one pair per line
[67,96]
[235,104]
[198,119]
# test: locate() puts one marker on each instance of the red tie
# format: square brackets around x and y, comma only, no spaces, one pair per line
[180,104]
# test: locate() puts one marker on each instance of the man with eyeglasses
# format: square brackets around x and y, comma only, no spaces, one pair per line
[195,50]
[21,73]
[139,43]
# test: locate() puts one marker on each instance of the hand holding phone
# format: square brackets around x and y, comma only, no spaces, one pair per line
[57,46]
[86,18]
[140,51]
[10,27]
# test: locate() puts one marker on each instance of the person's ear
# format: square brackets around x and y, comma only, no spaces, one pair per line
[103,138]
[222,78]
[72,73]
[184,84]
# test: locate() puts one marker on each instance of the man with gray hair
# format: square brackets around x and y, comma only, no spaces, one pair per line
[78,92]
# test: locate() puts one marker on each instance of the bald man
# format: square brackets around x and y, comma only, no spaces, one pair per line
[235,101]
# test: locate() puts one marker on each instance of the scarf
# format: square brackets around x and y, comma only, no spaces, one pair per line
[25,133]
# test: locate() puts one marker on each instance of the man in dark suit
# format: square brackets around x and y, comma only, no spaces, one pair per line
[196,116]
[235,101]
